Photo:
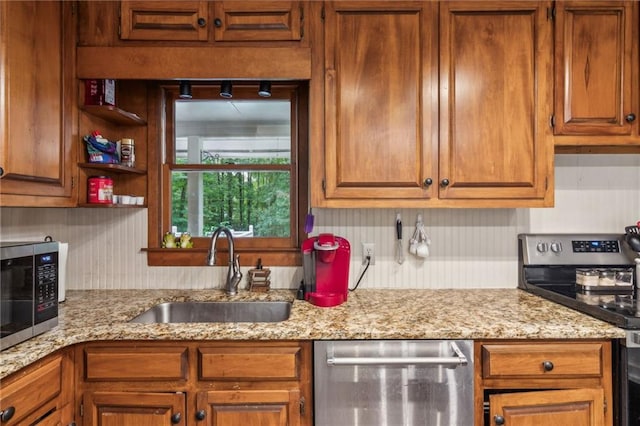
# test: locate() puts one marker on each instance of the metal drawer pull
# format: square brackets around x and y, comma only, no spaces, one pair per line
[7,414]
[454,361]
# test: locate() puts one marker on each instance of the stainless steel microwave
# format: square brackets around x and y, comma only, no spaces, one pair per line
[28,290]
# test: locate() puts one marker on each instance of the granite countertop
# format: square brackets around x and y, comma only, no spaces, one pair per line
[368,314]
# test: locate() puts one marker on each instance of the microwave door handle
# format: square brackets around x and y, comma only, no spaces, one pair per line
[459,359]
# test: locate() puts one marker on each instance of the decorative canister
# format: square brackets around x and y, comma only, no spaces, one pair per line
[100,190]
[127,152]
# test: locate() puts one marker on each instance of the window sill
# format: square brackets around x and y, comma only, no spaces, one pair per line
[198,257]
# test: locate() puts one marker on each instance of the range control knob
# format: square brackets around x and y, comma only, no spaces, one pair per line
[556,247]
[542,247]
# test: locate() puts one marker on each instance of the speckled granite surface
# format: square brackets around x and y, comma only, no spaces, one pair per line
[368,314]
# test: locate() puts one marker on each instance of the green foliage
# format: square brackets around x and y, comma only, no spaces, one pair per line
[237,199]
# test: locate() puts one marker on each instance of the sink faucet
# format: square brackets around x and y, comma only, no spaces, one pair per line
[233,274]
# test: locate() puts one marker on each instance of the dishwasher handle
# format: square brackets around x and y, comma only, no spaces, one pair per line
[453,362]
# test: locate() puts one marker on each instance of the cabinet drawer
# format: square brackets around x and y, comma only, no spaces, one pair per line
[542,360]
[136,363]
[32,391]
[249,363]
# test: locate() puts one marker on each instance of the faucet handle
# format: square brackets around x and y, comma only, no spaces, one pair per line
[236,265]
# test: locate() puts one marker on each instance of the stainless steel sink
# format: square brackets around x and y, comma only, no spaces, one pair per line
[191,312]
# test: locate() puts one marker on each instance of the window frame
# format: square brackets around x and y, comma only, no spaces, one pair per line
[271,251]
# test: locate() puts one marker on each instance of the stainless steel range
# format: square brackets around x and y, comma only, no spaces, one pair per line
[594,274]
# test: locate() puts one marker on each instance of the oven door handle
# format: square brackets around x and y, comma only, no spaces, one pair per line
[454,361]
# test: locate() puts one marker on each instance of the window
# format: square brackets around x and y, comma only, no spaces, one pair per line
[240,163]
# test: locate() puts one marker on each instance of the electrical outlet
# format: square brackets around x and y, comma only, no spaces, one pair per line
[368,249]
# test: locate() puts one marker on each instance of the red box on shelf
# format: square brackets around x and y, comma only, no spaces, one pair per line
[100,92]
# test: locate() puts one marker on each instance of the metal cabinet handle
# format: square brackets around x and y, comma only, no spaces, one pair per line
[202,22]
[444,182]
[7,414]
[201,414]
[175,419]
[547,365]
[428,182]
[454,361]
[498,419]
[1,172]
[630,118]
[217,22]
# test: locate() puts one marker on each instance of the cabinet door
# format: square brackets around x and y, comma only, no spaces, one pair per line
[164,20]
[41,393]
[593,65]
[495,100]
[133,408]
[33,394]
[250,407]
[36,70]
[257,21]
[380,109]
[575,407]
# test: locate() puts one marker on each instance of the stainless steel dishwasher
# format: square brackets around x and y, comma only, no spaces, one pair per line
[393,383]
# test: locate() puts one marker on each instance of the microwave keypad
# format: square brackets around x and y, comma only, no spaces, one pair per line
[47,278]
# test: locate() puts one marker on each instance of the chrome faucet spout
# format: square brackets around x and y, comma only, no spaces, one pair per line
[233,273]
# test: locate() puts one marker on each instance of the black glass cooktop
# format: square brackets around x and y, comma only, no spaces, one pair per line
[620,309]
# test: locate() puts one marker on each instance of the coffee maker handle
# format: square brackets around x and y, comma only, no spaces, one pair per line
[325,248]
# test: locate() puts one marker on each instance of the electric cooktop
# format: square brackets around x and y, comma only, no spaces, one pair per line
[592,273]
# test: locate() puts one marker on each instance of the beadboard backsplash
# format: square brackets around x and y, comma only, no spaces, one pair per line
[470,248]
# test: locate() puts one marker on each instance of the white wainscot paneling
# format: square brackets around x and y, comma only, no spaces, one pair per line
[594,193]
[471,248]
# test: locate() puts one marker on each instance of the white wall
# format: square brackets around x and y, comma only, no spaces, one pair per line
[470,248]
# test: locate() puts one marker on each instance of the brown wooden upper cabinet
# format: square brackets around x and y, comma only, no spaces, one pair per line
[258,21]
[386,78]
[596,72]
[37,151]
[164,20]
[230,20]
[380,64]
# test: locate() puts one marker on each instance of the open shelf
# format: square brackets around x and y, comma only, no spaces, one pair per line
[111,206]
[114,114]
[112,168]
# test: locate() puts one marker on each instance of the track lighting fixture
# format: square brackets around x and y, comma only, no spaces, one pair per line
[265,89]
[226,89]
[185,90]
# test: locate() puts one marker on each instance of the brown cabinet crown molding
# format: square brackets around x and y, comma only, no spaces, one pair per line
[169,63]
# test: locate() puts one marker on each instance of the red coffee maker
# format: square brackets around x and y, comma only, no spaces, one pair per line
[325,263]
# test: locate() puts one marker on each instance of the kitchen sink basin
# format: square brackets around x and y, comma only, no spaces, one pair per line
[192,312]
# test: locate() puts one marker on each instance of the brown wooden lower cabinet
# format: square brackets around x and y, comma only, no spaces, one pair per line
[257,407]
[40,394]
[234,383]
[580,407]
[133,408]
[194,383]
[529,383]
